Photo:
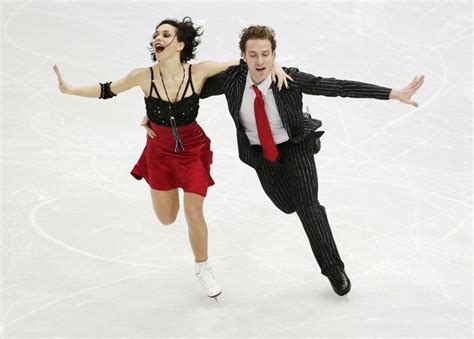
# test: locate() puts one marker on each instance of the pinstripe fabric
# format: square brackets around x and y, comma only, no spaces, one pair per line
[291,183]
[331,87]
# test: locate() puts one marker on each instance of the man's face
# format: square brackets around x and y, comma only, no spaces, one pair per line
[259,58]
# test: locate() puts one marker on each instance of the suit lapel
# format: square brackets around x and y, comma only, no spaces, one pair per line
[281,106]
[239,92]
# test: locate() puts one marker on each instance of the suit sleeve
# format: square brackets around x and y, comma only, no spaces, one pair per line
[331,87]
[213,86]
[221,82]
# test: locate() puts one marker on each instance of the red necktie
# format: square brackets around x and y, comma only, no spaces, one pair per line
[269,148]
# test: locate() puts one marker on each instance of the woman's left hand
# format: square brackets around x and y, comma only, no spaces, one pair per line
[146,124]
[279,74]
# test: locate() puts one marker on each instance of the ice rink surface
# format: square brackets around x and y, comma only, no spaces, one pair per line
[83,255]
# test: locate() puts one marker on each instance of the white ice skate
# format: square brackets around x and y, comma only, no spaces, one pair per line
[206,277]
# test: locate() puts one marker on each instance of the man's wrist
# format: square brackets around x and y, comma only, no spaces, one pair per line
[394,94]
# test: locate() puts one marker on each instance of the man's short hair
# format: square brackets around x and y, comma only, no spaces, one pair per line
[257,32]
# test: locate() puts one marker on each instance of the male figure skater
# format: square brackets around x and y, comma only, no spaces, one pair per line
[272,137]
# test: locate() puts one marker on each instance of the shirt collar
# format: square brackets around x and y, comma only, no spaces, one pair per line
[264,86]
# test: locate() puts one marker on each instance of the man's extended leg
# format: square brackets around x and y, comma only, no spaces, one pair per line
[299,165]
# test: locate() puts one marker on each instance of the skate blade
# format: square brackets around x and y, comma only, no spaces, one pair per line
[215,296]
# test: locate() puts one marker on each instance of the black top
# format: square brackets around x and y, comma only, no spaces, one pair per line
[184,111]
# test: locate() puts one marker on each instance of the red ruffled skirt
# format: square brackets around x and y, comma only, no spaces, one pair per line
[164,169]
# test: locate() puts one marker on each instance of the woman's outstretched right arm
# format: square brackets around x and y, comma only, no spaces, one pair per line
[103,91]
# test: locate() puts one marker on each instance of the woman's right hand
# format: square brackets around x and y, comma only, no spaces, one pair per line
[146,123]
[63,86]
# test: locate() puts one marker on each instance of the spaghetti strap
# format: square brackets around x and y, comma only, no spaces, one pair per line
[152,85]
[187,83]
[185,89]
[191,80]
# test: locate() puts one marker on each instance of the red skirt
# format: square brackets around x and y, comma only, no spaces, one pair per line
[164,169]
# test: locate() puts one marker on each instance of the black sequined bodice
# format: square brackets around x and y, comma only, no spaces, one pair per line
[184,111]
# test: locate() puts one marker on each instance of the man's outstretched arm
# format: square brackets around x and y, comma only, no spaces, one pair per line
[332,87]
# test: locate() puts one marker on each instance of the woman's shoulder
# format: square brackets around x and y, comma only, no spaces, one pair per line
[198,70]
[140,71]
[203,66]
[196,67]
[208,69]
[140,75]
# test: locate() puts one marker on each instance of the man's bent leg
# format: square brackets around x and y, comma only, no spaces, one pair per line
[276,185]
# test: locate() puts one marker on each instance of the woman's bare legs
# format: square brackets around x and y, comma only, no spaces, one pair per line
[166,205]
[197,228]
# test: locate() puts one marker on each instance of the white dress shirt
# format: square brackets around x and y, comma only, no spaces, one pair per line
[247,112]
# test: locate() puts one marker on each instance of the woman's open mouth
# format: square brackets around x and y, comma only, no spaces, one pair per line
[159,48]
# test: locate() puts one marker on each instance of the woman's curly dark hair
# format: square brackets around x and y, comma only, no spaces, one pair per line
[186,32]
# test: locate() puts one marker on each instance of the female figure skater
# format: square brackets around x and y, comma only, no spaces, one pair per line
[180,154]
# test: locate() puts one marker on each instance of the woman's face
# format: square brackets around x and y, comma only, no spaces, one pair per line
[165,42]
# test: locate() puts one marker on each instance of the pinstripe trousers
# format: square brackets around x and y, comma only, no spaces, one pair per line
[291,183]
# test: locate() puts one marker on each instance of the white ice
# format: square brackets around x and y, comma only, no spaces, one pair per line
[84,256]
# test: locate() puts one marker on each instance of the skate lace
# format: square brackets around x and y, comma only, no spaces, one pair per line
[207,276]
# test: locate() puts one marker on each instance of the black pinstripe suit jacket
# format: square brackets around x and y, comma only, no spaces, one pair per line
[289,101]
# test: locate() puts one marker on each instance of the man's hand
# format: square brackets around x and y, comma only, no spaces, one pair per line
[405,94]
